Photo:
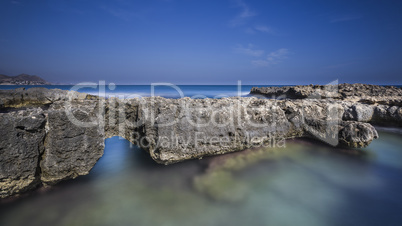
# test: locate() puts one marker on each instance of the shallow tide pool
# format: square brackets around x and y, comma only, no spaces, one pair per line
[303,184]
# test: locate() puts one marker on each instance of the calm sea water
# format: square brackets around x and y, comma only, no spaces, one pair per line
[306,183]
[164,90]
[302,184]
[169,91]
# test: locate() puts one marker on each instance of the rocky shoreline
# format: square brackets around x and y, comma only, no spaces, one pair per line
[380,105]
[52,135]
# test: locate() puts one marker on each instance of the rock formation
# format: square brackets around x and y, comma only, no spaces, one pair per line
[52,135]
[344,91]
[38,143]
[380,105]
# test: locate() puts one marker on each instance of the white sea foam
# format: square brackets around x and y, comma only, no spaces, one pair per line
[193,94]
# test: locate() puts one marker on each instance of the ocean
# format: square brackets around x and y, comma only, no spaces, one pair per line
[306,183]
[165,90]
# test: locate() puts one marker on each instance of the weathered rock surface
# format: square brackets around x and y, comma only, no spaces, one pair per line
[174,130]
[359,92]
[52,135]
[39,144]
[37,97]
[71,150]
[381,105]
[21,144]
[356,135]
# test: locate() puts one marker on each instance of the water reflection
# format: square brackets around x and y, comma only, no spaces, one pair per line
[304,184]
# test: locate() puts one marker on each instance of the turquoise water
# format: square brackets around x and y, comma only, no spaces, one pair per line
[303,184]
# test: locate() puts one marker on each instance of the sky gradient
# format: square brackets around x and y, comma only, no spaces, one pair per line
[203,42]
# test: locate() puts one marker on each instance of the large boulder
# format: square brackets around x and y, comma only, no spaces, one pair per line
[21,145]
[359,112]
[387,115]
[176,130]
[74,141]
[357,134]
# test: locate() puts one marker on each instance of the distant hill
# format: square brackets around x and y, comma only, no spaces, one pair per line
[22,79]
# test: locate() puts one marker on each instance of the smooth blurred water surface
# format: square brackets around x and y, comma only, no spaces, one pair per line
[304,184]
[167,90]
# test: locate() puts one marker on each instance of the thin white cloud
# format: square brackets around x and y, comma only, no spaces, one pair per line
[262,60]
[279,54]
[272,58]
[125,10]
[245,14]
[243,18]
[259,29]
[344,18]
[260,63]
[249,50]
[263,28]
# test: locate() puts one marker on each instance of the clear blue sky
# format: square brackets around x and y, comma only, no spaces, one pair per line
[203,42]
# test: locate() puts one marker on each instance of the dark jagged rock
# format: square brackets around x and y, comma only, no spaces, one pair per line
[357,134]
[53,135]
[40,144]
[21,145]
[71,150]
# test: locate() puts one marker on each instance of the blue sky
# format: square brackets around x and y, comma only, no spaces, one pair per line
[203,42]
